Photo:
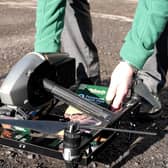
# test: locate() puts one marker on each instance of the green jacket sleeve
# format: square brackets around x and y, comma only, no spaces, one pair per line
[150,20]
[49,25]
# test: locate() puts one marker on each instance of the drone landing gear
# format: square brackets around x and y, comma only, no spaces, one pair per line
[72,141]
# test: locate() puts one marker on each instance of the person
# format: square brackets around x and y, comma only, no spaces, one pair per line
[66,25]
[54,15]
[145,49]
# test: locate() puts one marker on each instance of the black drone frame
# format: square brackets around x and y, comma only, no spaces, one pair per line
[76,144]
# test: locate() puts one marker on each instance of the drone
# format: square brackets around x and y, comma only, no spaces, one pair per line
[34,87]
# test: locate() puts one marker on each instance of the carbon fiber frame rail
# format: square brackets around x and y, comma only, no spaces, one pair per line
[104,115]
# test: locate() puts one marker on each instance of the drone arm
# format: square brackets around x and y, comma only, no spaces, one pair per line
[71,98]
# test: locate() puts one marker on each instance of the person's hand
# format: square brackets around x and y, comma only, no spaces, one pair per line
[121,80]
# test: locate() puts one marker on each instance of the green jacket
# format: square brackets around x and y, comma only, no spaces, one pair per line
[150,20]
[49,25]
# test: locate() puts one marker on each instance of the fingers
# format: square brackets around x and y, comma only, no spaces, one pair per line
[116,95]
[119,97]
[119,85]
[111,93]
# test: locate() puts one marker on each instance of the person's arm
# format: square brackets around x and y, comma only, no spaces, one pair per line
[150,20]
[49,25]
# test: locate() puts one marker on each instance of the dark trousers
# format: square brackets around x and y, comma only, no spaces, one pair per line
[155,69]
[77,38]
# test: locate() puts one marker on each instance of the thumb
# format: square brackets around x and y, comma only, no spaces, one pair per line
[111,93]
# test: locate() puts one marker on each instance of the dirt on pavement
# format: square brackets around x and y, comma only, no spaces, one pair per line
[111,21]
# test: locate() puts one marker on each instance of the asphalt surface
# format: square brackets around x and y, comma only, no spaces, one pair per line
[111,21]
